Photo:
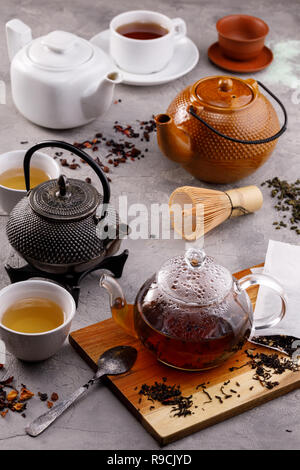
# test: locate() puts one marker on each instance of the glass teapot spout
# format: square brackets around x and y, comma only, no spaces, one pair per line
[122,313]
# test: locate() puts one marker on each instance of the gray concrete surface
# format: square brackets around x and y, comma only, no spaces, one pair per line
[100,421]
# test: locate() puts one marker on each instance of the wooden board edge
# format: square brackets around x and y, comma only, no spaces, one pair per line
[132,409]
[165,440]
[229,413]
[82,353]
[116,392]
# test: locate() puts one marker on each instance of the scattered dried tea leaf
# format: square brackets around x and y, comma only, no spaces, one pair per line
[287,197]
[267,365]
[11,396]
[7,381]
[25,394]
[43,396]
[54,396]
[16,400]
[283,343]
[18,406]
[168,395]
[120,150]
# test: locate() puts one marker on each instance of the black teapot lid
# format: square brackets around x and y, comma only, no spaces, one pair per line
[64,199]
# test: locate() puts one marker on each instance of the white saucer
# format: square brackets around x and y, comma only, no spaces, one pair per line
[186,56]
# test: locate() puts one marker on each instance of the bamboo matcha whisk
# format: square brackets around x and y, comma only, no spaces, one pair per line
[209,208]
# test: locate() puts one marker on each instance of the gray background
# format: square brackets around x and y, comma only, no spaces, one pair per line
[101,421]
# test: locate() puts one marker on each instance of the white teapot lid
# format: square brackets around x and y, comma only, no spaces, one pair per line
[194,278]
[60,50]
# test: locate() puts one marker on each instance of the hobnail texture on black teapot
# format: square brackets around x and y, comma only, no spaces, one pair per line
[65,224]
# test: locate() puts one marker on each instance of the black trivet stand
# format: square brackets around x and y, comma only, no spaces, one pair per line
[72,280]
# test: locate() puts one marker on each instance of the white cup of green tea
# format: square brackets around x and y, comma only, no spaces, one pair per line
[35,318]
[12,181]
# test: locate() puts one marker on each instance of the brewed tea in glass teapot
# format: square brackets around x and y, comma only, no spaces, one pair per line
[192,314]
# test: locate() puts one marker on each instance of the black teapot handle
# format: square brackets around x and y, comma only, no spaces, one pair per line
[239,141]
[71,148]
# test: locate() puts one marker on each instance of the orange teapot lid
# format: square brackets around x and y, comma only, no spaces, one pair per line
[224,92]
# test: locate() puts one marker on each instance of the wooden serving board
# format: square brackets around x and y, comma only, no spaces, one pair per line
[92,341]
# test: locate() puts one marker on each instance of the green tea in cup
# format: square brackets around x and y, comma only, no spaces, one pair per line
[33,315]
[14,178]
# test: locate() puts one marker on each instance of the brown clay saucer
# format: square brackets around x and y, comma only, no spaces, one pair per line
[262,61]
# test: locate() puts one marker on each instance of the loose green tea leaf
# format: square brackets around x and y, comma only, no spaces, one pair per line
[287,197]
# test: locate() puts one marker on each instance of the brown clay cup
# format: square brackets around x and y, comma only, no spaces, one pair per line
[241,37]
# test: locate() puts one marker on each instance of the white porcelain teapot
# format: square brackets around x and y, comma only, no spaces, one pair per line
[59,80]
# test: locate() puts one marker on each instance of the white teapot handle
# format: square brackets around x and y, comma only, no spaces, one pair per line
[267,281]
[18,34]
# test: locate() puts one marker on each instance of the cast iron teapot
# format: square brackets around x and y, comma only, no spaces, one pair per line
[64,225]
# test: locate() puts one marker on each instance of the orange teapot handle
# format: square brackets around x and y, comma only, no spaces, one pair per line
[240,141]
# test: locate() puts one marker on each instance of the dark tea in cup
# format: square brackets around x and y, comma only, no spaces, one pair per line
[142,30]
[142,41]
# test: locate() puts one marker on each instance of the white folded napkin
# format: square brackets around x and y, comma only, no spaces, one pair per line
[283,263]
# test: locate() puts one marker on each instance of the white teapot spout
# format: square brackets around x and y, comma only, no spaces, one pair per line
[97,99]
[18,34]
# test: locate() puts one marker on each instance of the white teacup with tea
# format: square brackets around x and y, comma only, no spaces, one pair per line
[12,181]
[143,41]
[35,318]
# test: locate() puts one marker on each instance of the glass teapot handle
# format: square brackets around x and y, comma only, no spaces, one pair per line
[71,148]
[240,141]
[267,281]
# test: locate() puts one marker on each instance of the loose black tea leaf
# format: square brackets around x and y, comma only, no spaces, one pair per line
[226,395]
[208,395]
[266,365]
[168,395]
[283,343]
[201,385]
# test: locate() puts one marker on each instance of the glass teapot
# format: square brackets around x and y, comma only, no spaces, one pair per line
[193,314]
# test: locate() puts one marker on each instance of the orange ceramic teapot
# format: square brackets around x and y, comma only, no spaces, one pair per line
[220,129]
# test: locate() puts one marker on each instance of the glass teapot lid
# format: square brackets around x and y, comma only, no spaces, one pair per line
[194,279]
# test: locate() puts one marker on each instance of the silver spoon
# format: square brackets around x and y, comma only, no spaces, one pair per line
[114,361]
